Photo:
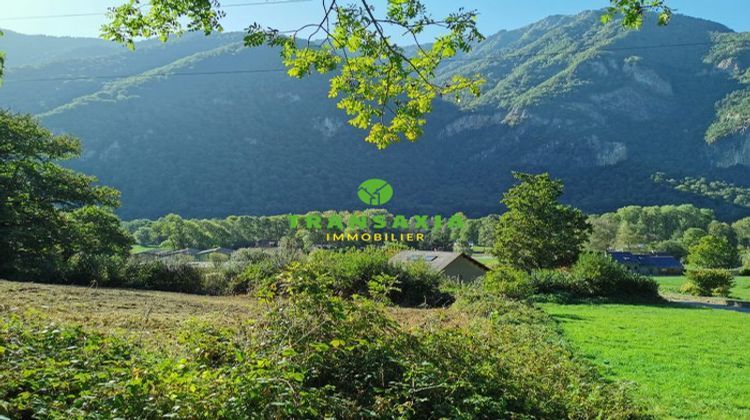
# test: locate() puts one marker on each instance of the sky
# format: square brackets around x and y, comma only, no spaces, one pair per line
[41,16]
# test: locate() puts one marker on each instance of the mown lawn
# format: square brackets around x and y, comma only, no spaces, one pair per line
[688,362]
[486,259]
[137,249]
[151,317]
[671,284]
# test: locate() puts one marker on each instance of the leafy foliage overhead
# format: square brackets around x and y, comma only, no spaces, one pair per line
[634,11]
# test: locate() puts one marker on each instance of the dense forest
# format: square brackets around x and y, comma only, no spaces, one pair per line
[204,127]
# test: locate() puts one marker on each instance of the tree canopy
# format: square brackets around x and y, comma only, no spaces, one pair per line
[537,231]
[386,89]
[50,214]
[714,252]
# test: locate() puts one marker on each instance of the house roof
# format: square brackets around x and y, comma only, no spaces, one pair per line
[185,251]
[655,260]
[664,261]
[212,250]
[438,260]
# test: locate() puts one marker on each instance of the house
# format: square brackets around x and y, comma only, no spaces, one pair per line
[649,264]
[452,264]
[205,255]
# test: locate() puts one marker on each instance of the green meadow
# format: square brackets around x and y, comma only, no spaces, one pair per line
[671,284]
[688,362]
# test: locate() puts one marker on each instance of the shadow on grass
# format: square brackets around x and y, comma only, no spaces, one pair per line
[658,302]
[567,317]
[564,298]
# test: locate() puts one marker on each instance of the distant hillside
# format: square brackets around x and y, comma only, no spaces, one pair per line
[603,108]
[24,50]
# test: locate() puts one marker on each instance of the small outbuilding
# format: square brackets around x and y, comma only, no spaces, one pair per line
[456,265]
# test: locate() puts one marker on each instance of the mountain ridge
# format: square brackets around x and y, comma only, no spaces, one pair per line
[216,143]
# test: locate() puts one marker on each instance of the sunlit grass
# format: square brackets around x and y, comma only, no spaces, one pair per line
[688,362]
[671,284]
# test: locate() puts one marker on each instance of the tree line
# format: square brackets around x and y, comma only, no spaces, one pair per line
[174,232]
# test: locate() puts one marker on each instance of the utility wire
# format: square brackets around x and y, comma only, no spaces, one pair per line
[273,70]
[72,15]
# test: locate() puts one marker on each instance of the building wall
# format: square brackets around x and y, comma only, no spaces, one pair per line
[463,269]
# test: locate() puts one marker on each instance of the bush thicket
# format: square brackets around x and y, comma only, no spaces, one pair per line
[595,274]
[313,354]
[708,282]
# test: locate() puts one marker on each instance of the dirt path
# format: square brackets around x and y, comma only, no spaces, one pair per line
[698,302]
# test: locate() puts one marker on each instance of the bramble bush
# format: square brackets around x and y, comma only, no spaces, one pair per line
[598,275]
[548,281]
[313,354]
[508,281]
[354,271]
[173,276]
[708,282]
[592,276]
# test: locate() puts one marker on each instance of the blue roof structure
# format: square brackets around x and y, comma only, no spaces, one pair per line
[649,260]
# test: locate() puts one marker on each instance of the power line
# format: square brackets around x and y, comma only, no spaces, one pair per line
[452,60]
[126,76]
[72,15]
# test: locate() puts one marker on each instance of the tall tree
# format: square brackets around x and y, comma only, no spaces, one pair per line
[44,214]
[714,252]
[538,231]
[387,90]
[742,229]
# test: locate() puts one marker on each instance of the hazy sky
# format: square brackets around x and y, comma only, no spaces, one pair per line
[18,15]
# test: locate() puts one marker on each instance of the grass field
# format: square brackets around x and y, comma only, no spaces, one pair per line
[671,284]
[137,249]
[485,259]
[150,316]
[688,362]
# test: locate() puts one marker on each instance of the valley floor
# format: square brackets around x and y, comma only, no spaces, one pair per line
[687,362]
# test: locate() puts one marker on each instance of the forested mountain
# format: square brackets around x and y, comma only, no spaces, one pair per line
[204,127]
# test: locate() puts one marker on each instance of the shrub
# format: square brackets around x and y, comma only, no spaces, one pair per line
[597,275]
[708,282]
[173,276]
[99,270]
[714,252]
[744,271]
[214,283]
[312,355]
[509,282]
[419,284]
[260,273]
[550,281]
[353,271]
[249,255]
